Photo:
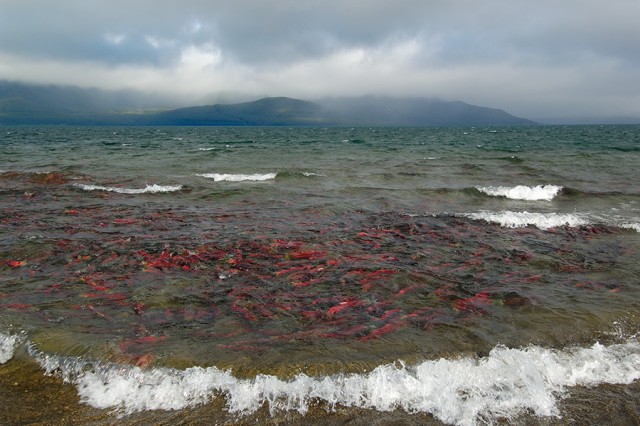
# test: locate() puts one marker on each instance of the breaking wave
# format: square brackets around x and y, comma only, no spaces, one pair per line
[222,177]
[147,189]
[509,219]
[634,226]
[521,192]
[461,391]
[8,345]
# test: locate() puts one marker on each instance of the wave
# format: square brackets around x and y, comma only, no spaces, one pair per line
[463,391]
[510,219]
[634,226]
[297,175]
[147,189]
[545,192]
[8,345]
[522,192]
[221,177]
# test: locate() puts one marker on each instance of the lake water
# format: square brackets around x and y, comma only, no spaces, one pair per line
[320,275]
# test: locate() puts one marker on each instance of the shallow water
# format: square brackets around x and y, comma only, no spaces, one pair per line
[329,275]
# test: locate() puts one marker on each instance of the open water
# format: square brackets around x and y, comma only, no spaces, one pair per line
[320,275]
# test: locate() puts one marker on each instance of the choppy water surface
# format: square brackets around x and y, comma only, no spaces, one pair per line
[321,275]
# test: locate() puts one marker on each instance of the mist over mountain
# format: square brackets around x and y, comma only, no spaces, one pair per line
[67,105]
[390,111]
[22,103]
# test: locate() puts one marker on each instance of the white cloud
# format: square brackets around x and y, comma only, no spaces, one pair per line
[195,59]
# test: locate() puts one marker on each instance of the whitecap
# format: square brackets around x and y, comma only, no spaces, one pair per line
[461,391]
[510,219]
[147,189]
[8,345]
[522,192]
[310,174]
[634,226]
[223,177]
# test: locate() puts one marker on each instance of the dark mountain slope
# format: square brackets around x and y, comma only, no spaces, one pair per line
[264,112]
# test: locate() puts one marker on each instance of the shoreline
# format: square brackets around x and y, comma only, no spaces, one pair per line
[24,386]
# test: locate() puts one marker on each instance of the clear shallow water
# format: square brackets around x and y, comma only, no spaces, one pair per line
[465,275]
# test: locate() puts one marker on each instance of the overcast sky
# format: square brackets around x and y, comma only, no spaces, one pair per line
[532,58]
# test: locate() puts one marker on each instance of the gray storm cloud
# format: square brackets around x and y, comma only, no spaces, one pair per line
[532,58]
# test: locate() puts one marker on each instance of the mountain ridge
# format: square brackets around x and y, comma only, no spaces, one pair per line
[68,105]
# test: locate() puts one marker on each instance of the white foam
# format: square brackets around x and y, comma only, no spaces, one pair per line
[222,177]
[461,391]
[521,192]
[309,174]
[147,189]
[509,219]
[8,345]
[634,226]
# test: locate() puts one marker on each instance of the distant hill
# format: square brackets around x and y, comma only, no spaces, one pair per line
[389,111]
[40,104]
[364,111]
[264,112]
